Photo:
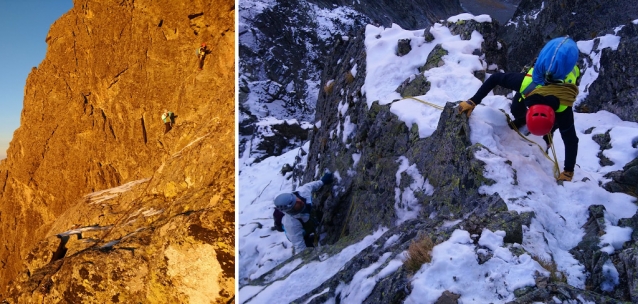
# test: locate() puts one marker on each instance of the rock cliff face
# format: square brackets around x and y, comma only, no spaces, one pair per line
[447,160]
[93,193]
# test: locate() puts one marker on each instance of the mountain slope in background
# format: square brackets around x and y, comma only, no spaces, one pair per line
[90,123]
[282,50]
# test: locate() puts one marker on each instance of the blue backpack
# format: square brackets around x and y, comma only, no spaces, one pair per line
[555,61]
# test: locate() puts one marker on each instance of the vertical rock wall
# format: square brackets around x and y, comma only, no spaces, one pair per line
[91,121]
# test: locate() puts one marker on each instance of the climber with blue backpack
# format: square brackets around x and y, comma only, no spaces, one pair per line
[545,96]
[294,213]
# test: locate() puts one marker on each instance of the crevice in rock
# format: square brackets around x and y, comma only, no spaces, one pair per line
[112,131]
[144,130]
[105,121]
[4,185]
[75,54]
[160,23]
[117,76]
[61,251]
[193,16]
[46,144]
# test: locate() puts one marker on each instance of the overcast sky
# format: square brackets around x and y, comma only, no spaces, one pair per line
[24,25]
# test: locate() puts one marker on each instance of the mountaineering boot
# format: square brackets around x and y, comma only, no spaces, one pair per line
[566,176]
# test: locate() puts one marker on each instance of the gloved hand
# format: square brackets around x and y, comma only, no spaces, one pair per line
[327,178]
[566,176]
[467,107]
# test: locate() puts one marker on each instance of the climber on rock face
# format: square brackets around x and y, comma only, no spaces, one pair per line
[293,213]
[201,53]
[167,118]
[548,90]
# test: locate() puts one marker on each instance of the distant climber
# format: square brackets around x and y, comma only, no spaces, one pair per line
[168,118]
[548,90]
[293,213]
[201,53]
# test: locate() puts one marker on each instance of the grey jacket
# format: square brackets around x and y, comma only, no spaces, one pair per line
[294,229]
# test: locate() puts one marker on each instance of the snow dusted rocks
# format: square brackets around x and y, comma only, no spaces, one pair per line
[275,137]
[283,44]
[468,184]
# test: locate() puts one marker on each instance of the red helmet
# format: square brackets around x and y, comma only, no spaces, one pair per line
[540,119]
[204,44]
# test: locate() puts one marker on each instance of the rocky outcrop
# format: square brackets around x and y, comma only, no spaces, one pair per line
[625,180]
[616,88]
[283,45]
[277,138]
[153,210]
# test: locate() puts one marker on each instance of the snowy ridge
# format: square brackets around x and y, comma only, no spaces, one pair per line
[523,178]
[326,24]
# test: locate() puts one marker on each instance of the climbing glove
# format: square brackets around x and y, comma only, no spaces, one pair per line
[327,178]
[467,107]
[566,176]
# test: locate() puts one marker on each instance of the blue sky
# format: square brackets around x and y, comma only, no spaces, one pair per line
[24,25]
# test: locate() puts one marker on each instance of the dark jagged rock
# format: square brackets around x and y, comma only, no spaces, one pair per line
[403,47]
[604,140]
[418,86]
[628,259]
[276,139]
[625,180]
[563,292]
[616,88]
[588,251]
[448,298]
[491,45]
[434,59]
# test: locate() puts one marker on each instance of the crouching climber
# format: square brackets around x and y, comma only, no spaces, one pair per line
[201,53]
[293,213]
[168,119]
[548,90]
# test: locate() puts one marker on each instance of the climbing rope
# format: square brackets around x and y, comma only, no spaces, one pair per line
[424,102]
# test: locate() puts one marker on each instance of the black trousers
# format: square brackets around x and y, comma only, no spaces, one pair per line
[564,123]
